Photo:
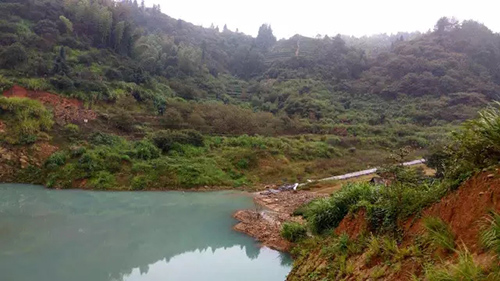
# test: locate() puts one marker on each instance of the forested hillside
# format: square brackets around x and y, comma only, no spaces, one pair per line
[174,102]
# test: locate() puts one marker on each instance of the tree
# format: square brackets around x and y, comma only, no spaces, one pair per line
[60,65]
[13,56]
[67,23]
[265,39]
[445,24]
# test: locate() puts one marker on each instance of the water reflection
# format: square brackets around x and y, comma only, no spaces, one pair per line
[101,236]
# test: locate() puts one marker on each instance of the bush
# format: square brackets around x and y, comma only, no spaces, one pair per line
[293,231]
[324,214]
[139,182]
[384,205]
[102,180]
[475,147]
[166,139]
[145,150]
[90,162]
[104,139]
[57,159]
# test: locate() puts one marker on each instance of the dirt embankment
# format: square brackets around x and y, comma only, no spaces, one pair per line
[464,210]
[65,110]
[272,210]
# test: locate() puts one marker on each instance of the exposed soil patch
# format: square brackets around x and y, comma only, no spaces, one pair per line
[265,225]
[264,228]
[65,110]
[14,158]
[465,209]
[353,224]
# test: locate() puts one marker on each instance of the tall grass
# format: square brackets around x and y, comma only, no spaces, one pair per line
[26,119]
[464,269]
[439,233]
[490,233]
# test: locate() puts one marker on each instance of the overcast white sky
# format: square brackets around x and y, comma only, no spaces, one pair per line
[312,17]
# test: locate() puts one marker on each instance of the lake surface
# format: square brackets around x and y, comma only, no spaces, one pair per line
[61,235]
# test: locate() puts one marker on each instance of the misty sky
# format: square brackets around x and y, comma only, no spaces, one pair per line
[312,17]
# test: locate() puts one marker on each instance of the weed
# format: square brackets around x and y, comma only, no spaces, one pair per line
[439,233]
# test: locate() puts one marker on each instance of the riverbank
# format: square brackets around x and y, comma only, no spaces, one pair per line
[271,210]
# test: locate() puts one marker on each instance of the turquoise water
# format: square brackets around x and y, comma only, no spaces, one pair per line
[54,235]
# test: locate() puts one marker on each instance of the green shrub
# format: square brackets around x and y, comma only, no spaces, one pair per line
[439,233]
[100,138]
[102,180]
[5,84]
[145,150]
[72,129]
[476,146]
[165,140]
[57,159]
[139,182]
[293,231]
[90,162]
[324,214]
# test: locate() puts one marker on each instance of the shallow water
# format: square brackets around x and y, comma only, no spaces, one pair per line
[54,235]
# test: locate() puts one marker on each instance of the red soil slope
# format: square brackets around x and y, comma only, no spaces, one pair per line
[65,110]
[465,209]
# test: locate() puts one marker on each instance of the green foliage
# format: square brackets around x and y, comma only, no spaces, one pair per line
[104,139]
[27,120]
[102,180]
[72,129]
[385,206]
[139,182]
[57,159]
[439,233]
[145,150]
[474,147]
[13,56]
[324,214]
[464,269]
[293,231]
[165,140]
[490,233]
